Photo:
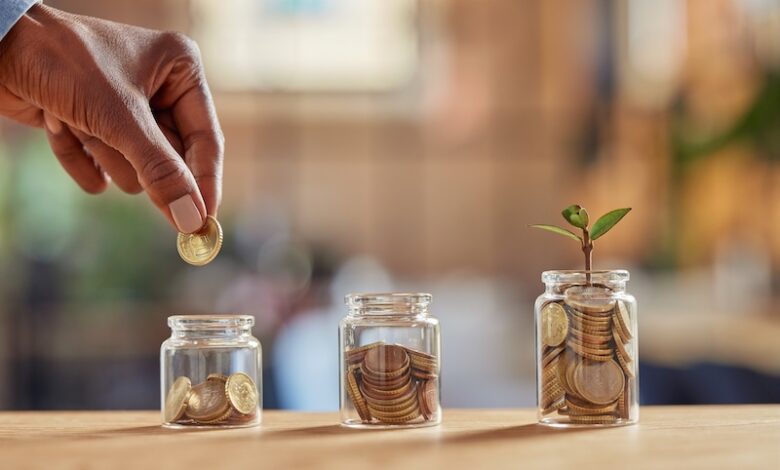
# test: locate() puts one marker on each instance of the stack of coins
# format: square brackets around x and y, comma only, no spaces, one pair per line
[586,363]
[219,400]
[392,384]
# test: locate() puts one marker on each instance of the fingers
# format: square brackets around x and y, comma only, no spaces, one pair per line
[162,173]
[168,128]
[112,162]
[200,133]
[73,158]
[186,94]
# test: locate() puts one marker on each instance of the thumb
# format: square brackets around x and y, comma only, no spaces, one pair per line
[161,171]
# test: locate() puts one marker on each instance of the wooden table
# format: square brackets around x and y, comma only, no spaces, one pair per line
[668,437]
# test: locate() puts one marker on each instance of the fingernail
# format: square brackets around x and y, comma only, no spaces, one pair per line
[52,123]
[186,214]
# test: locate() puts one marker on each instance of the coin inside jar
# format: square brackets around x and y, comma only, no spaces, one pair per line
[555,324]
[176,400]
[201,247]
[207,401]
[389,360]
[599,382]
[242,393]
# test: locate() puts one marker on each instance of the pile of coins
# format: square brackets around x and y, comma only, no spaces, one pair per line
[392,384]
[586,367]
[201,247]
[219,400]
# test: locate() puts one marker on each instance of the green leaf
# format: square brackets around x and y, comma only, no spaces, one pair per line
[576,215]
[607,221]
[558,230]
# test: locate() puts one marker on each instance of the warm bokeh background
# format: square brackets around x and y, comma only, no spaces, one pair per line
[405,145]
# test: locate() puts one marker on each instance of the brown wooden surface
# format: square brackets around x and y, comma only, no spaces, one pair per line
[668,437]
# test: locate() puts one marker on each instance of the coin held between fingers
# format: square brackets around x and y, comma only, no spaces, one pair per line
[201,247]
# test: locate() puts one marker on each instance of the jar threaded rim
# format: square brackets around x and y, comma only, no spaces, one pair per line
[574,276]
[389,303]
[210,322]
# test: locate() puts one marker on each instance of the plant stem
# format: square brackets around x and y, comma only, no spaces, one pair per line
[587,249]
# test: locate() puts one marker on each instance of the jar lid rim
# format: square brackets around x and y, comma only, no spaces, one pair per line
[387,298]
[575,275]
[211,321]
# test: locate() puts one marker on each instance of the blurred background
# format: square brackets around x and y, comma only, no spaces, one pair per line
[405,145]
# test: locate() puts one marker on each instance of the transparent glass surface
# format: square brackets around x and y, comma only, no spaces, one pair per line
[211,372]
[389,362]
[587,350]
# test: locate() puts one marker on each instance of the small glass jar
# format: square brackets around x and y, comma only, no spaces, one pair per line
[586,350]
[389,362]
[211,372]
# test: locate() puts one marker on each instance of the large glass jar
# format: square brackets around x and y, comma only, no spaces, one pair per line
[586,350]
[211,372]
[389,362]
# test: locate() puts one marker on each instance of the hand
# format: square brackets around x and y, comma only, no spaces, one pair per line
[119,103]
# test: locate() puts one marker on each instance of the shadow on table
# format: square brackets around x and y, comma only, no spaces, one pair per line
[521,432]
[428,436]
[320,431]
[411,437]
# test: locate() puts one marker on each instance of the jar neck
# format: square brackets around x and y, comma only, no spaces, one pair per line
[557,282]
[388,305]
[223,333]
[211,326]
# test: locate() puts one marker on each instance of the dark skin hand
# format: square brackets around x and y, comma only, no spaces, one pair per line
[118,103]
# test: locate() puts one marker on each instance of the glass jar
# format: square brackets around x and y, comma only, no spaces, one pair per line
[586,350]
[389,362]
[211,372]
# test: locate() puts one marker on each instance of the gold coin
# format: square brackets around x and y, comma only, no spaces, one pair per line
[590,300]
[563,364]
[386,361]
[551,394]
[401,408]
[176,400]
[625,363]
[550,372]
[588,338]
[581,348]
[579,408]
[242,393]
[353,390]
[387,396]
[593,419]
[624,402]
[555,406]
[622,321]
[422,375]
[356,354]
[555,324]
[421,355]
[392,406]
[425,365]
[215,376]
[582,324]
[207,401]
[428,397]
[201,247]
[551,354]
[620,346]
[403,420]
[595,320]
[599,382]
[219,419]
[385,383]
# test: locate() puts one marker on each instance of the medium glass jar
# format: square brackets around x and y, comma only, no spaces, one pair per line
[586,350]
[211,372]
[389,362]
